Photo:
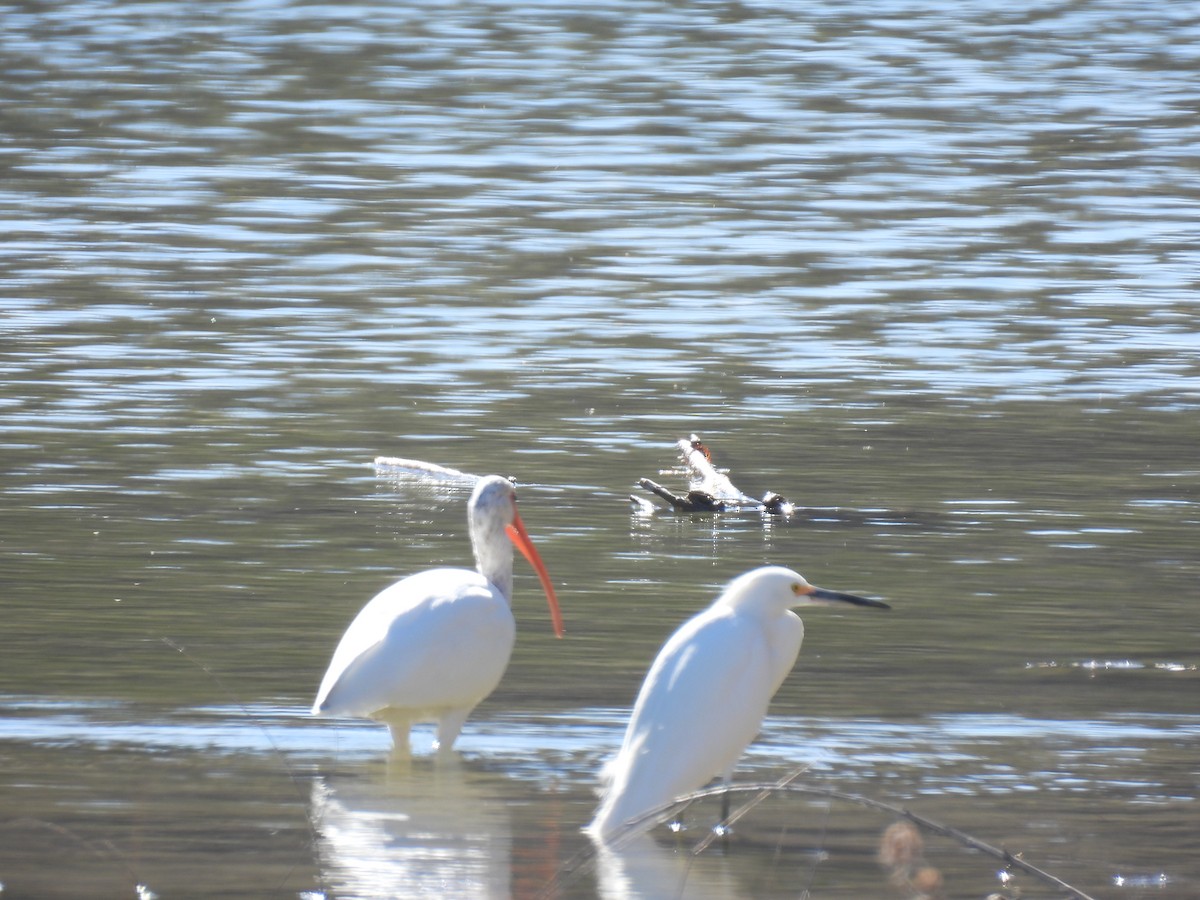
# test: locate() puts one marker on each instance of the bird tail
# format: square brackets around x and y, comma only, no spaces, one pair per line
[607,772]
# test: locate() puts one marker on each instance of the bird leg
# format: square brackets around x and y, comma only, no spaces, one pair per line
[449,725]
[400,726]
[724,824]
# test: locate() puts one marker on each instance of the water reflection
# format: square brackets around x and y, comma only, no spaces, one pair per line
[642,869]
[412,830]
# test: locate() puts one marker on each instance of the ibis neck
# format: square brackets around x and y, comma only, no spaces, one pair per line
[494,558]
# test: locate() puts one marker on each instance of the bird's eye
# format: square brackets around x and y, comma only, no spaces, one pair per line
[797,588]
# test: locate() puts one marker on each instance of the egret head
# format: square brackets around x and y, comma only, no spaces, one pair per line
[779,588]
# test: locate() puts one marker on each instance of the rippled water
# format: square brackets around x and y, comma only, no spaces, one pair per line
[927,269]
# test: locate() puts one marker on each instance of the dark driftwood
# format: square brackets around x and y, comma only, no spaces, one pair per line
[692,501]
[709,490]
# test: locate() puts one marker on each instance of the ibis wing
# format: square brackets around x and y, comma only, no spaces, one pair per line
[438,639]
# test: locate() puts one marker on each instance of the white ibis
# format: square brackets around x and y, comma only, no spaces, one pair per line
[706,694]
[433,645]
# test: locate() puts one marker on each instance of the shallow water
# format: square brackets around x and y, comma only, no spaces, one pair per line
[928,270]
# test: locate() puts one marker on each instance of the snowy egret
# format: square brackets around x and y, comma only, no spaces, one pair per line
[706,694]
[433,645]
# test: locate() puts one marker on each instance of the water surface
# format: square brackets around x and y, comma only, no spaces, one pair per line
[927,269]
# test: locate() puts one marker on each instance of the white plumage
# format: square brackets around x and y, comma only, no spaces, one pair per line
[433,645]
[705,696]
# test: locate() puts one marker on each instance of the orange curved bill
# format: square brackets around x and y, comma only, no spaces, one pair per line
[520,537]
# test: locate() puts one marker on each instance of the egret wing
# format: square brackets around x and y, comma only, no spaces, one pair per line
[702,702]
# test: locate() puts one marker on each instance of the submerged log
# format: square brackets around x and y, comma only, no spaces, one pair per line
[709,489]
[693,501]
[398,467]
[705,478]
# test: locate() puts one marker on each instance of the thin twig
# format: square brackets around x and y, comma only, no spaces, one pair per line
[762,790]
[967,840]
[723,827]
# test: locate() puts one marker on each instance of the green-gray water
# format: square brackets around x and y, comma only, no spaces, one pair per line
[928,270]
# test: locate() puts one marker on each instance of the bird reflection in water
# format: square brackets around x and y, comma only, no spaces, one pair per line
[430,831]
